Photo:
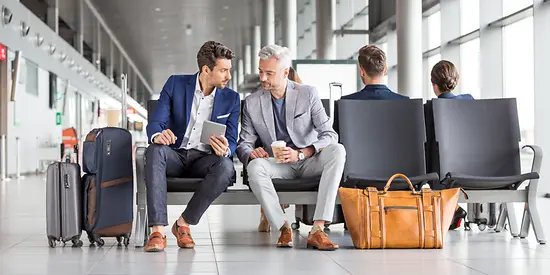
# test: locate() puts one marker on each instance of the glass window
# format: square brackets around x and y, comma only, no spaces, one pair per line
[432,60]
[469,16]
[518,73]
[31,84]
[512,6]
[434,30]
[469,68]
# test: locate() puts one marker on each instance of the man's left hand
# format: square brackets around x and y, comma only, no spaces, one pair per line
[219,144]
[290,155]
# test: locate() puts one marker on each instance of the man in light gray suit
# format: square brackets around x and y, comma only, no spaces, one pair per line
[287,111]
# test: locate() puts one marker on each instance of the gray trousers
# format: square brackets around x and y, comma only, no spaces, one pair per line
[329,163]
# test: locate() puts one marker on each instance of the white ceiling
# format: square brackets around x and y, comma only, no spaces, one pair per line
[153,32]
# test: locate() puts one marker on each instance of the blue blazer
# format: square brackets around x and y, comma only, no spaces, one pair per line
[450,95]
[174,109]
[375,92]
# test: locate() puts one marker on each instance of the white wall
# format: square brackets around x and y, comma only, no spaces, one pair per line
[35,127]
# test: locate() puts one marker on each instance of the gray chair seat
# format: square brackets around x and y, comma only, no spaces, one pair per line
[182,184]
[469,182]
[363,181]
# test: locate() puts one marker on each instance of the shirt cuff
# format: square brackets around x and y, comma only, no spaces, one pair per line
[227,152]
[153,137]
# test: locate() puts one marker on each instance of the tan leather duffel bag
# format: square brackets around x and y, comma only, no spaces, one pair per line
[398,219]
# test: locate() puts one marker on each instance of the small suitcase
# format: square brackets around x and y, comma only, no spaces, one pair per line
[109,185]
[64,203]
[483,214]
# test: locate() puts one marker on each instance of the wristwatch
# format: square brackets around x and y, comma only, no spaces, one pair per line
[301,155]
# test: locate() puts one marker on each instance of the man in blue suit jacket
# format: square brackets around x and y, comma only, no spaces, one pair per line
[185,103]
[372,66]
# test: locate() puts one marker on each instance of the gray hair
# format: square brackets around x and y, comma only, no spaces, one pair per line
[275,51]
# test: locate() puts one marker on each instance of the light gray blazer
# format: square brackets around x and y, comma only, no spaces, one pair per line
[306,120]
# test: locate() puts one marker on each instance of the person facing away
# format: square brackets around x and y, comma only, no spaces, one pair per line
[264,223]
[284,110]
[185,103]
[444,78]
[373,68]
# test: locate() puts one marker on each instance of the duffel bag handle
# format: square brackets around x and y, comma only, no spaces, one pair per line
[387,187]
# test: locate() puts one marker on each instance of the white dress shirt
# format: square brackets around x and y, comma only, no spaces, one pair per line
[201,111]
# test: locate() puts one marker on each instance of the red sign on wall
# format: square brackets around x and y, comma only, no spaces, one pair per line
[3,52]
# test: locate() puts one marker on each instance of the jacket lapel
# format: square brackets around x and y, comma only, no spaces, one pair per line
[290,105]
[189,94]
[218,101]
[267,112]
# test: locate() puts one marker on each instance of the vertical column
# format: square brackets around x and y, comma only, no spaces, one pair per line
[325,18]
[256,47]
[53,15]
[541,19]
[240,67]
[491,50]
[111,62]
[268,24]
[79,36]
[409,47]
[135,85]
[290,37]
[450,19]
[248,60]
[97,45]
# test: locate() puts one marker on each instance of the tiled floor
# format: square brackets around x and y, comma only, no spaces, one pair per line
[228,244]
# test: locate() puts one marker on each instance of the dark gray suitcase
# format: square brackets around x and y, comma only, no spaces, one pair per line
[483,214]
[64,203]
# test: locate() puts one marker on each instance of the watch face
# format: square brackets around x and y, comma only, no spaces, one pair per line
[301,155]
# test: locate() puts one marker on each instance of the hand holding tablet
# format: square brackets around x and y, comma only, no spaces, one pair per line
[214,134]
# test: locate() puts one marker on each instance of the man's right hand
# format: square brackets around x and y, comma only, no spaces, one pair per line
[259,153]
[166,137]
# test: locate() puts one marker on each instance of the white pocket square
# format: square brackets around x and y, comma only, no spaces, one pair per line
[222,116]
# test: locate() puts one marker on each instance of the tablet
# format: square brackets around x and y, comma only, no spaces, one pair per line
[209,129]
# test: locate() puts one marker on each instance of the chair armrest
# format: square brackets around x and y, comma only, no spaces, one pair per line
[537,158]
[140,171]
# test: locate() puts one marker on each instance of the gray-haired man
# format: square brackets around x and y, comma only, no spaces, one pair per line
[286,111]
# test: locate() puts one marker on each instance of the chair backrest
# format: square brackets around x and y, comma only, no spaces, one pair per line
[476,137]
[151,108]
[382,137]
[326,105]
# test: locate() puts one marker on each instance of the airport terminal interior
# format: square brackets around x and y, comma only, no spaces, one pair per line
[69,67]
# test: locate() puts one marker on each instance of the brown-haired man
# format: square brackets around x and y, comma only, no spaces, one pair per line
[372,66]
[174,131]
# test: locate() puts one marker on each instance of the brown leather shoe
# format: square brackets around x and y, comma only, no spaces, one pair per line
[285,240]
[183,235]
[155,243]
[319,240]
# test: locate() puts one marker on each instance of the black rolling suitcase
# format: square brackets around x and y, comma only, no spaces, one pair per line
[64,203]
[108,199]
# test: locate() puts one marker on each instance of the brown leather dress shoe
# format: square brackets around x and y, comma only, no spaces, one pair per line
[183,235]
[285,240]
[155,243]
[319,240]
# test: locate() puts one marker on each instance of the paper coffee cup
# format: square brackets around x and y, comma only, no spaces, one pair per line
[278,147]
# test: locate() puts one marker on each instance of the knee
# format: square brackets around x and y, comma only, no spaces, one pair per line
[257,167]
[336,152]
[155,151]
[226,167]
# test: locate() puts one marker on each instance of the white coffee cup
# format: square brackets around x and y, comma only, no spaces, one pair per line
[278,147]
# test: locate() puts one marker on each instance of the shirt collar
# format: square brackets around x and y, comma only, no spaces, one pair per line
[446,95]
[199,90]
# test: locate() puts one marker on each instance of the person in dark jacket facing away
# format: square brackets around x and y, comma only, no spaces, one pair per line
[444,78]
[372,66]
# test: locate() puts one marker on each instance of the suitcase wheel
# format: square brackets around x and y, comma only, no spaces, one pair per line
[100,242]
[481,226]
[295,225]
[126,241]
[51,242]
[77,243]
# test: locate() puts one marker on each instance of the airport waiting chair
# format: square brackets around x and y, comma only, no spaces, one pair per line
[475,146]
[382,138]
